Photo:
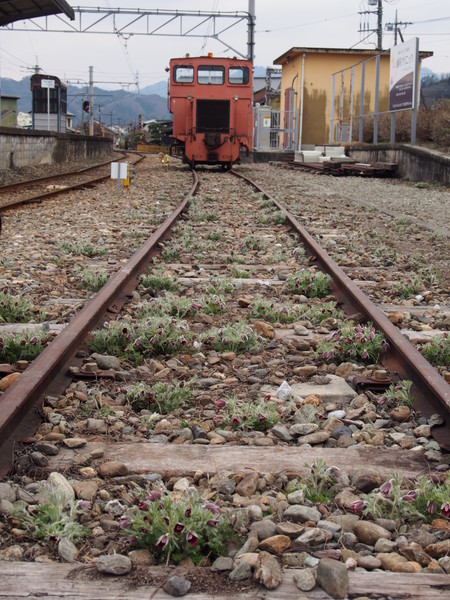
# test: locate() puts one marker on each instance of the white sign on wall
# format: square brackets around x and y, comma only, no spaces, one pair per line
[48,83]
[403,75]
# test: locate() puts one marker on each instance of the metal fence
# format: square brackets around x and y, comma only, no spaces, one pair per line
[274,130]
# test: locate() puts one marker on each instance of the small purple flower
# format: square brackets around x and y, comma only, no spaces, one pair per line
[212,522]
[364,355]
[235,420]
[33,341]
[166,520]
[179,527]
[143,506]
[124,522]
[162,541]
[192,538]
[357,506]
[435,478]
[445,510]
[137,343]
[261,417]
[188,512]
[212,507]
[154,495]
[334,471]
[386,488]
[220,403]
[53,538]
[431,507]
[410,496]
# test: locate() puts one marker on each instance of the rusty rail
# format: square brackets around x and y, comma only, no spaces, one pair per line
[17,417]
[431,391]
[50,193]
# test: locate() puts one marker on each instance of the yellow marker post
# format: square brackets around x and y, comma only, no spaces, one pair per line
[126,181]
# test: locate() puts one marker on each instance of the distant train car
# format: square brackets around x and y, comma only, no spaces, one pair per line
[211,102]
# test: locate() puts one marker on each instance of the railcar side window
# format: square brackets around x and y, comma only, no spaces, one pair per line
[183,74]
[238,75]
[211,75]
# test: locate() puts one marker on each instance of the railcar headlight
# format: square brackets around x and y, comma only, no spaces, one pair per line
[236,98]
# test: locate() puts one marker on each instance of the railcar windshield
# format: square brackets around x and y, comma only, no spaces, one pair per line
[183,74]
[211,75]
[238,75]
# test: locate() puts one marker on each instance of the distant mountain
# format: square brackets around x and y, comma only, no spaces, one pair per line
[426,72]
[435,88]
[160,89]
[116,106]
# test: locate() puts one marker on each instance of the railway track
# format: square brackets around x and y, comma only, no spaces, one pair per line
[35,190]
[232,333]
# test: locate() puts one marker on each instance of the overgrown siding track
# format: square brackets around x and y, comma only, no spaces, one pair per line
[207,397]
[36,189]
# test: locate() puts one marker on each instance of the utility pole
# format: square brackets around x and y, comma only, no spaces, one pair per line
[380,25]
[251,30]
[396,27]
[379,30]
[91,100]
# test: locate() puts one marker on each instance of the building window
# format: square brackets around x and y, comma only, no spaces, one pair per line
[183,74]
[211,75]
[238,75]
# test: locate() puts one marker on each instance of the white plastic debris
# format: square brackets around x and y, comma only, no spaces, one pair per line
[337,414]
[284,391]
[419,297]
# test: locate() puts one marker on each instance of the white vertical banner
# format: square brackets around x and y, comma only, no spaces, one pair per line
[403,75]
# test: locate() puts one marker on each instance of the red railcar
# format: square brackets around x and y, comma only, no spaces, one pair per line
[211,102]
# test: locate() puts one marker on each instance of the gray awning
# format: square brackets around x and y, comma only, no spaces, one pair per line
[18,10]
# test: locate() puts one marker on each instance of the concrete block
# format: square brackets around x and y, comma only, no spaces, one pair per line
[334,151]
[337,390]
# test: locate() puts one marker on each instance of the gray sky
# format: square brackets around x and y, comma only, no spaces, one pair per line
[280,25]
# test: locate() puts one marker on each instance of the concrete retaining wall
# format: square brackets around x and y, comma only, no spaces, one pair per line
[415,164]
[26,148]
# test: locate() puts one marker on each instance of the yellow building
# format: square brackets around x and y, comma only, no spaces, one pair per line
[308,86]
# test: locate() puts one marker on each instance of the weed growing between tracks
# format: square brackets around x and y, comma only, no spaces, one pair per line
[421,500]
[82,248]
[161,397]
[357,343]
[55,518]
[14,308]
[176,528]
[437,351]
[92,279]
[26,345]
[309,284]
[242,413]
